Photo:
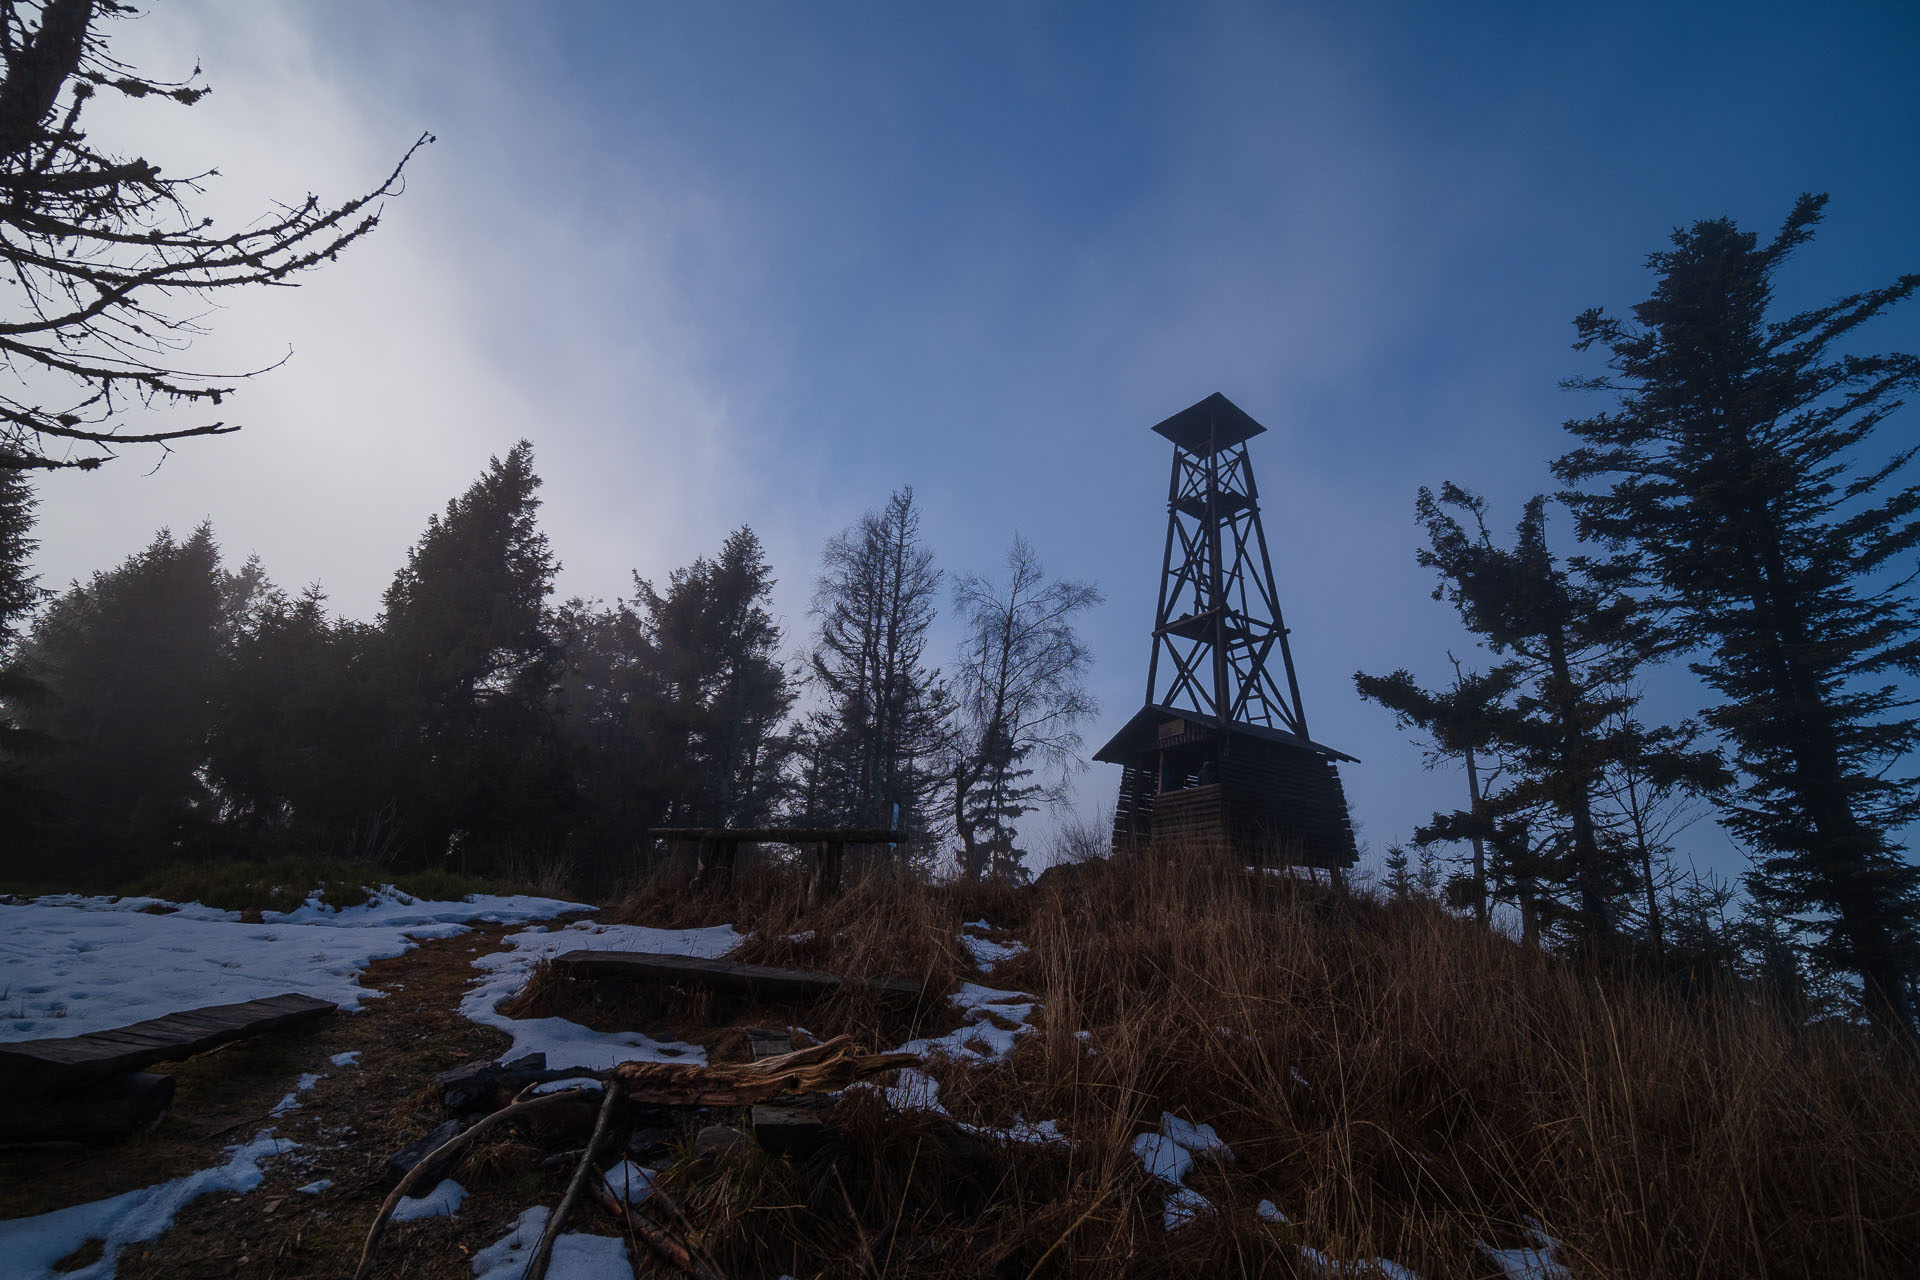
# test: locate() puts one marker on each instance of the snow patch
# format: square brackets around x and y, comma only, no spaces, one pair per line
[987,953]
[628,1182]
[315,1188]
[1162,1157]
[982,1039]
[1358,1269]
[1183,1206]
[441,1202]
[1541,1261]
[916,1091]
[71,964]
[307,1080]
[351,1058]
[576,1256]
[1168,1156]
[32,1245]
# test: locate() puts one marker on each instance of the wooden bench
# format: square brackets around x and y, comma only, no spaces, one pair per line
[69,1064]
[724,976]
[717,845]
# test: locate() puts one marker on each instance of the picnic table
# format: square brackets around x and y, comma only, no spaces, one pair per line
[716,847]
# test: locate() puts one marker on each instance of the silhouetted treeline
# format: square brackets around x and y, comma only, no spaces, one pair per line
[176,708]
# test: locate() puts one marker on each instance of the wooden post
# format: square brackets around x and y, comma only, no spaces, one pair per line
[836,852]
[714,866]
[828,858]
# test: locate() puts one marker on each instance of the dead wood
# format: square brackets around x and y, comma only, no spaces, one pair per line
[543,1251]
[370,1250]
[821,1068]
[110,1111]
[666,1244]
[65,1064]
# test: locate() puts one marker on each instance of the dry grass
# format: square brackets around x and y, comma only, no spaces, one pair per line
[1399,1083]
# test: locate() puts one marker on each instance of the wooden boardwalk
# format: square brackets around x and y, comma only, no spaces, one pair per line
[71,1063]
[724,976]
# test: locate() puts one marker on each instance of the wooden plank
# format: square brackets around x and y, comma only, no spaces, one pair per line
[722,975]
[69,1063]
[108,1111]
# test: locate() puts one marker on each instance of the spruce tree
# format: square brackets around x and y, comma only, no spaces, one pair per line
[624,768]
[302,745]
[21,804]
[130,661]
[718,689]
[1457,721]
[1734,477]
[1555,716]
[872,753]
[19,587]
[474,657]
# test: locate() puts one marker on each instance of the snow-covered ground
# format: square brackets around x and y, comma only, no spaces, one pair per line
[568,1044]
[70,965]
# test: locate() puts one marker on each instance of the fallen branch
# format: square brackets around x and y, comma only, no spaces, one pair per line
[370,1250]
[822,1068]
[667,1245]
[543,1251]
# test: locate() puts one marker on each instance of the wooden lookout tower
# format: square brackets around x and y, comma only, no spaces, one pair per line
[1220,753]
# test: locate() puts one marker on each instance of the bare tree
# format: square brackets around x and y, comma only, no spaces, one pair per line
[1022,697]
[107,266]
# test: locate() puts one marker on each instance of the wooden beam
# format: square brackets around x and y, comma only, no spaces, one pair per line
[109,1111]
[724,976]
[70,1063]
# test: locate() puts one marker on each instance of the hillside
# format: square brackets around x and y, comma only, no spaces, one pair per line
[1153,1067]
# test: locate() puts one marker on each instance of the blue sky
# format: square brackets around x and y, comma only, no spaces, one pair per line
[761,264]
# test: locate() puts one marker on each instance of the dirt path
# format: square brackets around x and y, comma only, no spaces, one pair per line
[345,1125]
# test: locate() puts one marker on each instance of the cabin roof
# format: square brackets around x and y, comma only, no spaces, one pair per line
[1140,733]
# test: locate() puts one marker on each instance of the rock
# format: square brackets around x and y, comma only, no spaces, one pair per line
[793,1131]
[651,1141]
[401,1162]
[717,1140]
[467,1088]
[483,1086]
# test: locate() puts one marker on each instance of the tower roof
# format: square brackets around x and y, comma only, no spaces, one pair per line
[1215,423]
